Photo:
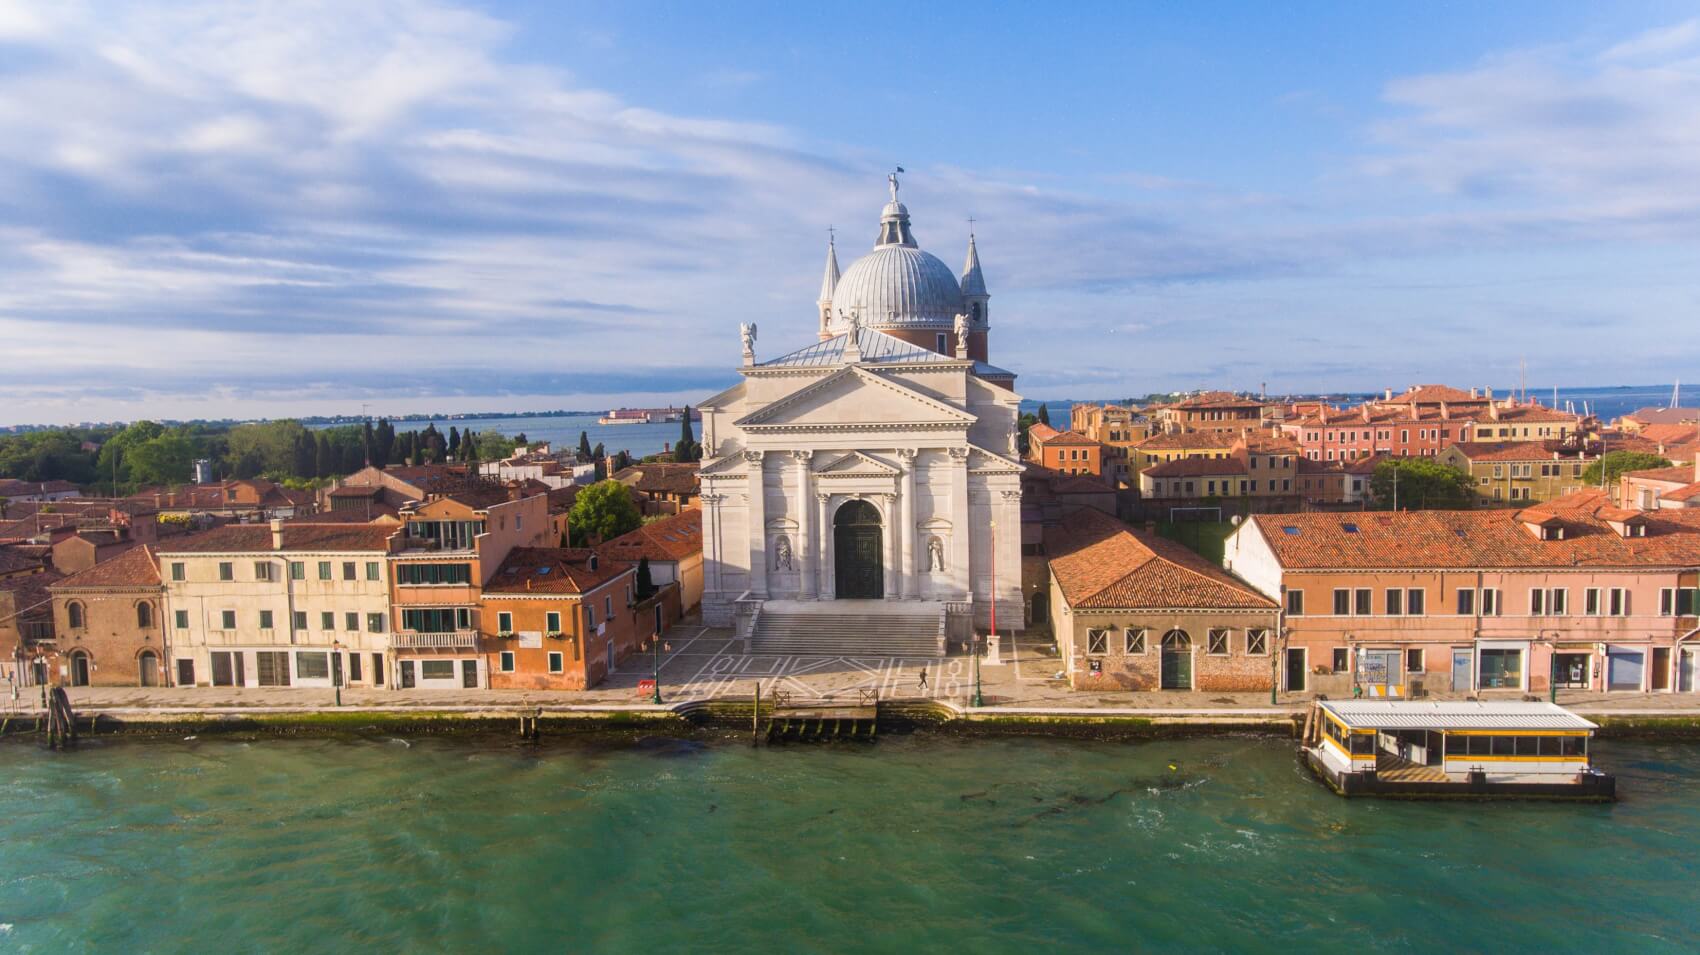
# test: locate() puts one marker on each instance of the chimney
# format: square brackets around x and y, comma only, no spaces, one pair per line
[1445,413]
[1697,467]
[1493,412]
[1472,392]
[1487,393]
[1365,409]
[1389,394]
[277,534]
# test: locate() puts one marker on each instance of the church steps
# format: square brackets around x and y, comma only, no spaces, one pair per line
[832,634]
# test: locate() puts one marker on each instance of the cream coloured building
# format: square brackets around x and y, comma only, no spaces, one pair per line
[871,473]
[281,605]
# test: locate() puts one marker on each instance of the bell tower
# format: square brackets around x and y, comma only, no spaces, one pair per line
[978,302]
[828,284]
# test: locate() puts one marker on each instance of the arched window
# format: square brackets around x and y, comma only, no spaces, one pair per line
[144,614]
[1177,640]
[74,615]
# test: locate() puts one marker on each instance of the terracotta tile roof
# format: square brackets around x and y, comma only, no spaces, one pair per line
[13,487]
[1527,414]
[475,493]
[671,538]
[13,560]
[30,594]
[660,478]
[552,570]
[1676,474]
[1550,450]
[1215,400]
[1434,394]
[1671,433]
[353,515]
[250,538]
[1196,467]
[1665,415]
[1188,441]
[1685,493]
[1040,431]
[1479,539]
[1099,562]
[1061,439]
[136,567]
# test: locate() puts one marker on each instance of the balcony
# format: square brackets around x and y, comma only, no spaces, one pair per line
[450,640]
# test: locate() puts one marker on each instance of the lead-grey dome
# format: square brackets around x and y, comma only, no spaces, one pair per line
[896,285]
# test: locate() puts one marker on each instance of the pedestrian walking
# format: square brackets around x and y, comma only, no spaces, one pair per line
[921,677]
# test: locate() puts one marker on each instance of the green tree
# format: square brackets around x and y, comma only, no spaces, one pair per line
[383,451]
[1615,463]
[454,440]
[265,447]
[166,459]
[368,441]
[469,447]
[1044,415]
[1422,484]
[602,512]
[306,456]
[324,463]
[1023,422]
[584,446]
[645,582]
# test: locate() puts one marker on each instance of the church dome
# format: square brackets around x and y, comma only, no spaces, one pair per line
[897,286]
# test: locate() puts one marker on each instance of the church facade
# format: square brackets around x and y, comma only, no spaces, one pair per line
[876,464]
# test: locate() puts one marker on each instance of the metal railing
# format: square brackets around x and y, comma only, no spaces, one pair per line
[452,640]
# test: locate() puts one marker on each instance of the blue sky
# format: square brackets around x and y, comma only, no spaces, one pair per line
[244,209]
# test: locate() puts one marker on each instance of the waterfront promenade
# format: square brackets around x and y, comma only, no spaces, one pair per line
[701,664]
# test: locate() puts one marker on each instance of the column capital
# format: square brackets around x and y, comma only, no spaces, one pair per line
[802,455]
[1011,496]
[959,454]
[823,496]
[906,455]
[753,457]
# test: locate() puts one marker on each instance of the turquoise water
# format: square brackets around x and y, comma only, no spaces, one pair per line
[913,843]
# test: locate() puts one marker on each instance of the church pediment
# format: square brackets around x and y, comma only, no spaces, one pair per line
[855,464]
[853,398]
[985,462]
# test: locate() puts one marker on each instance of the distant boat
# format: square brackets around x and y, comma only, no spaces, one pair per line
[646,416]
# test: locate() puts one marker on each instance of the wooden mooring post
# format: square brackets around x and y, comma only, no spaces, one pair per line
[61,720]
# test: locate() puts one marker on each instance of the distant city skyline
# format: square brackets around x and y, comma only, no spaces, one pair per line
[221,210]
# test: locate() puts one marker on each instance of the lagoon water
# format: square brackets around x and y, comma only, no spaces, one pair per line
[919,843]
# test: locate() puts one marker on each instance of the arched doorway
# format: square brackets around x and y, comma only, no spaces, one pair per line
[1177,660]
[148,664]
[859,568]
[79,669]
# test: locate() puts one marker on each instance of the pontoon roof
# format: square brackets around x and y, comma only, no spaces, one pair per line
[1455,715]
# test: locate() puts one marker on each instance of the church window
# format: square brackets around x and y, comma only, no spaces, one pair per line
[941,346]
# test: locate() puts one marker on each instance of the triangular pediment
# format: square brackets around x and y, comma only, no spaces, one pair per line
[855,463]
[852,398]
[979,459]
[730,464]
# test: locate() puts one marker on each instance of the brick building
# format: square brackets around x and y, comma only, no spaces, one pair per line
[1067,452]
[1134,611]
[556,618]
[108,622]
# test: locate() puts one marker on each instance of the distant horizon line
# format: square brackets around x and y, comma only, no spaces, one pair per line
[339,419]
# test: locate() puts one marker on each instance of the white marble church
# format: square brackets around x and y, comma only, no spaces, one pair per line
[878,464]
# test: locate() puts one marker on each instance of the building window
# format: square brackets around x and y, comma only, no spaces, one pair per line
[1591,601]
[327,620]
[1216,643]
[1097,642]
[228,619]
[1490,601]
[1395,602]
[608,607]
[348,570]
[1257,642]
[1414,660]
[436,669]
[1537,602]
[226,570]
[313,666]
[262,570]
[939,344]
[505,622]
[297,570]
[182,619]
[372,572]
[1342,602]
[1364,602]
[552,621]
[177,570]
[507,664]
[1342,659]
[374,623]
[1558,602]
[299,619]
[1501,669]
[1619,602]
[1416,602]
[265,620]
[354,668]
[1295,603]
[351,622]
[272,668]
[74,615]
[557,662]
[324,570]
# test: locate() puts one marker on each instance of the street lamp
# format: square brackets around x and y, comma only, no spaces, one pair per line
[655,668]
[336,669]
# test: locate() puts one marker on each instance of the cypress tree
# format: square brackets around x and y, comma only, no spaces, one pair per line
[324,462]
[645,582]
[454,440]
[584,446]
[1044,415]
[368,441]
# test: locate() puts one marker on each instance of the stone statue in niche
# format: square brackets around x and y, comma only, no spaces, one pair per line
[935,554]
[782,553]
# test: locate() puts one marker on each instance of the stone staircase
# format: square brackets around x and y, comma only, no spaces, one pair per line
[818,631]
